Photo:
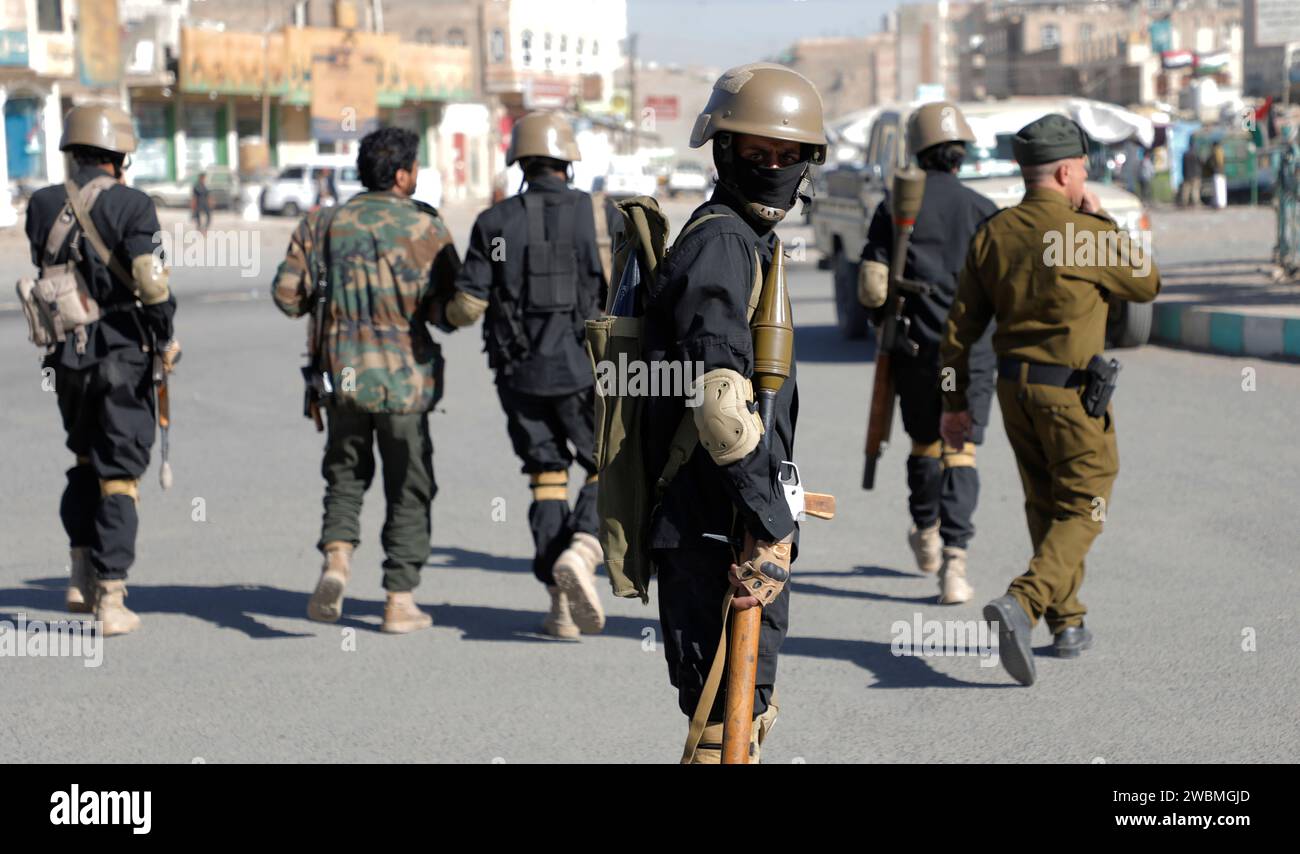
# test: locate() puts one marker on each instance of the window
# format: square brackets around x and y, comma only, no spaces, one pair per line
[424,35]
[1085,33]
[527,40]
[49,16]
[1049,36]
[546,42]
[456,37]
[498,46]
[293,173]
[595,48]
[564,43]
[577,48]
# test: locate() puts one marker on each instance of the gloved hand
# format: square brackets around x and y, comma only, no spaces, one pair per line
[170,353]
[761,579]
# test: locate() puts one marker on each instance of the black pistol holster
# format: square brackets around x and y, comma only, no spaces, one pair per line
[1103,376]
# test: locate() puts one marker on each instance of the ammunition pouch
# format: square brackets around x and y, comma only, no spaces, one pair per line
[1103,376]
[550,263]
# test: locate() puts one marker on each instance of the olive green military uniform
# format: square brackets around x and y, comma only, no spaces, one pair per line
[387,255]
[1047,314]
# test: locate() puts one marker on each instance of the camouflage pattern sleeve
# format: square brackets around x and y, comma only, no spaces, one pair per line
[293,282]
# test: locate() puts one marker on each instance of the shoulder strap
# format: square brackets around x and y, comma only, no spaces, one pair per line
[81,211]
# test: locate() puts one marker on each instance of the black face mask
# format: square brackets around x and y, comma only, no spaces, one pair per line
[769,193]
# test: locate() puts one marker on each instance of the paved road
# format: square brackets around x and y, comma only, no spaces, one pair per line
[1200,547]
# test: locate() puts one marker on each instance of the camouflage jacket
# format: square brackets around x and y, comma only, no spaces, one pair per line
[388,256]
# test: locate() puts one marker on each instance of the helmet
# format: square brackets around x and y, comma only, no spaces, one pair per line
[543,135]
[933,124]
[98,126]
[767,100]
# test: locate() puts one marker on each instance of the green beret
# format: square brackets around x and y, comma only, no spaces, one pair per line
[1046,140]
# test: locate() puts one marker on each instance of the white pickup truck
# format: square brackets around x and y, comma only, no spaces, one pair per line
[848,195]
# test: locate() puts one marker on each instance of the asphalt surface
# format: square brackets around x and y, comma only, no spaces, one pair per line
[1197,560]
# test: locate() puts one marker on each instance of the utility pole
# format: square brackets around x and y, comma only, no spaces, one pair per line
[632,111]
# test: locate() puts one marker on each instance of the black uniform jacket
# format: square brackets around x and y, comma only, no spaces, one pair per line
[950,214]
[556,362]
[698,314]
[128,223]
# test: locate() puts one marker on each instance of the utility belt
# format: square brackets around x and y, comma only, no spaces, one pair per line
[1098,380]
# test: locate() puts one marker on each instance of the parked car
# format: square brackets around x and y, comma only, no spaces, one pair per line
[688,177]
[293,190]
[628,176]
[223,189]
[840,217]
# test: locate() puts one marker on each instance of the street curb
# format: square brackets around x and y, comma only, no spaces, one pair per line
[1181,324]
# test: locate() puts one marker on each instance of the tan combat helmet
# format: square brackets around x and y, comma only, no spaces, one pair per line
[933,124]
[767,100]
[99,127]
[543,135]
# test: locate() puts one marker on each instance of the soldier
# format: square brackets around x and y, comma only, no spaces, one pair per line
[105,235]
[942,479]
[1052,387]
[385,255]
[765,123]
[534,265]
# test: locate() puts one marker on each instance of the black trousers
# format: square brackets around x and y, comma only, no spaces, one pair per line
[938,492]
[108,414]
[692,584]
[549,434]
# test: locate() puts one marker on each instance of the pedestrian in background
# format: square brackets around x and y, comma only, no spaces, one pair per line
[1189,192]
[200,203]
[1218,168]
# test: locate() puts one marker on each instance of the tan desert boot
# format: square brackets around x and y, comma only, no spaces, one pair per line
[111,610]
[402,615]
[953,589]
[326,604]
[558,623]
[575,575]
[81,583]
[927,546]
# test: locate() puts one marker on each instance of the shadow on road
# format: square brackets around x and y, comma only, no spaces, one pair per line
[890,670]
[823,343]
[822,590]
[231,606]
[863,572]
[452,557]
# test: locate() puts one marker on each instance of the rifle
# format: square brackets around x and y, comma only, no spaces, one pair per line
[162,393]
[773,331]
[893,332]
[318,386]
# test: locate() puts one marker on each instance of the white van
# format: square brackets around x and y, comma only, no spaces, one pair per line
[293,190]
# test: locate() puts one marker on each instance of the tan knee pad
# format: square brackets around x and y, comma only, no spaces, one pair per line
[957,458]
[550,485]
[932,450]
[121,486]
